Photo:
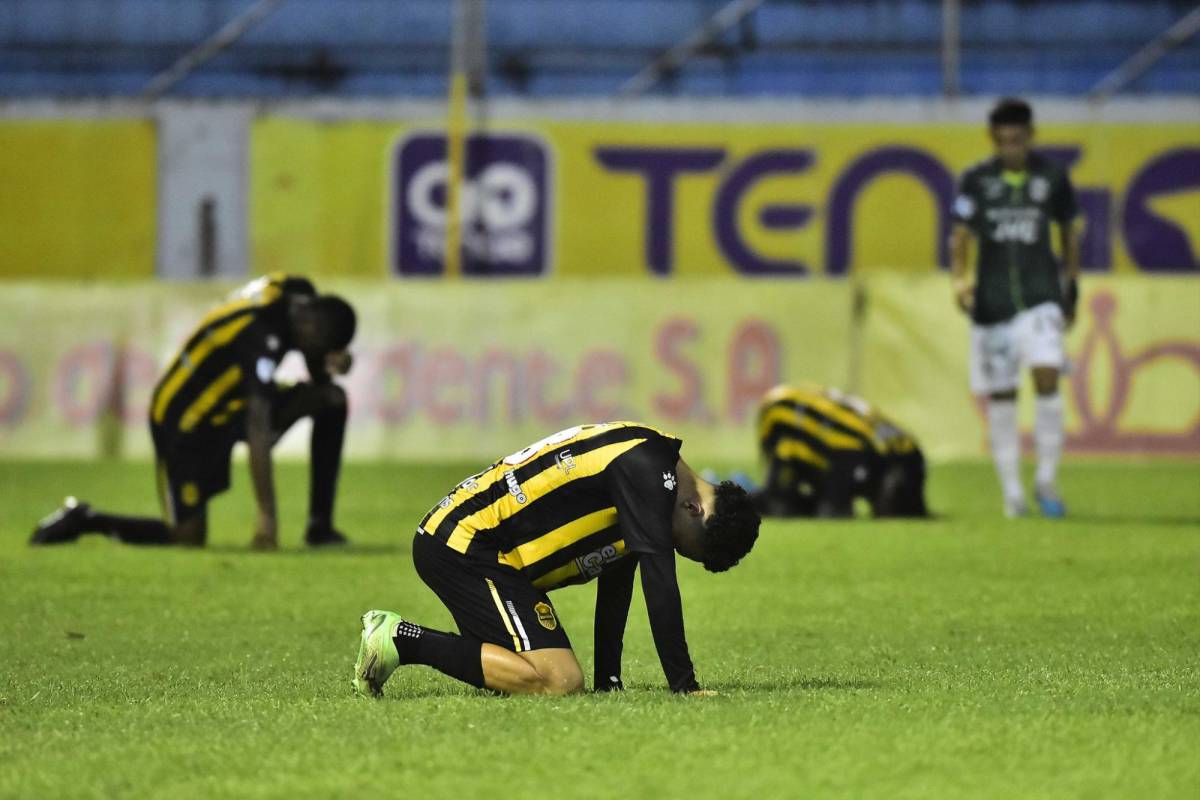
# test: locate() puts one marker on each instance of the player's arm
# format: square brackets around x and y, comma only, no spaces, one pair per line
[258,367]
[665,609]
[259,439]
[960,267]
[1065,210]
[964,213]
[645,505]
[614,591]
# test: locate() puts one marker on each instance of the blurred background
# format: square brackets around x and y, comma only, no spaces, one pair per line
[558,211]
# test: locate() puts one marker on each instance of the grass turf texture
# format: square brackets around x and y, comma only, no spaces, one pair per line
[965,657]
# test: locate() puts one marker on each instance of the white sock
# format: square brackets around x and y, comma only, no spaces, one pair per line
[1048,437]
[1006,446]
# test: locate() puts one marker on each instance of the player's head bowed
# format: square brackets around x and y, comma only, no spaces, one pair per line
[325,324]
[731,529]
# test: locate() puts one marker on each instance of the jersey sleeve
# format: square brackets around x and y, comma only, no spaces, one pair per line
[1063,205]
[642,484]
[665,609]
[966,201]
[614,591]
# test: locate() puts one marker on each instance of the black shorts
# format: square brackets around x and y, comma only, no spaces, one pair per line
[190,471]
[490,601]
[193,468]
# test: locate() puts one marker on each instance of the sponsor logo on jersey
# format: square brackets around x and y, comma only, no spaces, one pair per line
[545,616]
[593,563]
[669,481]
[514,488]
[564,460]
[470,484]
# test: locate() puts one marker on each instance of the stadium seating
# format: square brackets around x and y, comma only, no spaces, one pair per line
[585,47]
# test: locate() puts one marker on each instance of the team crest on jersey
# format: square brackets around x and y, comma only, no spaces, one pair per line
[514,488]
[545,616]
[564,460]
[993,188]
[1039,189]
[669,481]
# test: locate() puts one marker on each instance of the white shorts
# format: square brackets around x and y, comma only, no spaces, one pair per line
[1033,338]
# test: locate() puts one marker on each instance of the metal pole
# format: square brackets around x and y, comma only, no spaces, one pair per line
[1141,61]
[728,16]
[229,33]
[466,38]
[951,47]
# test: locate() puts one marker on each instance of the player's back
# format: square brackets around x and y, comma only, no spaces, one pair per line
[813,422]
[199,388]
[549,509]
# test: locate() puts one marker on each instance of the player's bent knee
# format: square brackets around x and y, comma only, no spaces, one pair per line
[564,683]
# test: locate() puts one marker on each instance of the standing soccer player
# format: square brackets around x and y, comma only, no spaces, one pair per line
[1022,298]
[594,501]
[219,390]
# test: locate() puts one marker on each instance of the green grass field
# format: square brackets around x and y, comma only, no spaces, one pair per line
[965,657]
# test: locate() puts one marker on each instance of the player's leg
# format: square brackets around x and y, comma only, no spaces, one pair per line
[326,405]
[75,519]
[1043,348]
[994,372]
[511,640]
[839,487]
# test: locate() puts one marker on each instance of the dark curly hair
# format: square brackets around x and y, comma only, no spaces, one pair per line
[731,530]
[1011,111]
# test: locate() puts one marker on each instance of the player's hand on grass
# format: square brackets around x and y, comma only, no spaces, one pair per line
[339,362]
[266,535]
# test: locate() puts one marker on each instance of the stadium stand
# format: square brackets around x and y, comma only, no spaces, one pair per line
[89,48]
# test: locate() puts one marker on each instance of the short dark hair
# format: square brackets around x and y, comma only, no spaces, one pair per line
[338,321]
[1011,111]
[731,530]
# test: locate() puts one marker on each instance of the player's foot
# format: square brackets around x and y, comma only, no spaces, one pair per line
[63,526]
[1050,503]
[324,536]
[1015,507]
[377,656]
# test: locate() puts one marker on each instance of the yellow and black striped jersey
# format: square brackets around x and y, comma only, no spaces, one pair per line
[812,424]
[566,508]
[232,352]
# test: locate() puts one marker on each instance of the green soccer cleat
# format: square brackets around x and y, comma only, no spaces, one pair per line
[377,656]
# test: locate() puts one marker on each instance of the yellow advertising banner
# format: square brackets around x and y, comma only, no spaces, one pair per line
[77,198]
[582,198]
[475,369]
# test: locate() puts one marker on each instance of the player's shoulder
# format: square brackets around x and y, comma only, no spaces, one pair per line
[985,166]
[651,447]
[1040,164]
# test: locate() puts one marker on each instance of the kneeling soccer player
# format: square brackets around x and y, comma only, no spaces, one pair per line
[220,389]
[824,449]
[594,501]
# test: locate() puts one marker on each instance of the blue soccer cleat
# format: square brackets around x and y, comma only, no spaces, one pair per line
[1050,503]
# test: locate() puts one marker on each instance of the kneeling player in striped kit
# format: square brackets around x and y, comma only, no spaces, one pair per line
[824,449]
[594,501]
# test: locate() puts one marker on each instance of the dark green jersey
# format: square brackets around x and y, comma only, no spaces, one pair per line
[1010,214]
